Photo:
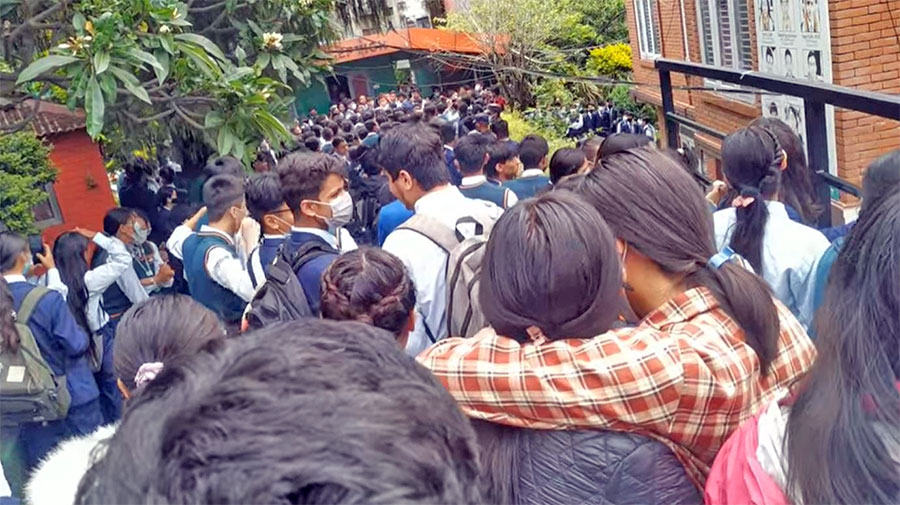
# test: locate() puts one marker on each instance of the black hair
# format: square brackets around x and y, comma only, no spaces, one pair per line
[655,207]
[448,132]
[317,130]
[532,150]
[367,116]
[469,153]
[312,143]
[844,427]
[565,162]
[371,286]
[618,142]
[224,165]
[361,133]
[346,126]
[68,253]
[115,218]
[9,335]
[314,411]
[327,134]
[11,246]
[429,110]
[752,159]
[591,148]
[263,195]
[551,263]
[797,187]
[166,175]
[500,128]
[499,152]
[302,175]
[338,140]
[882,176]
[220,193]
[166,329]
[416,150]
[370,125]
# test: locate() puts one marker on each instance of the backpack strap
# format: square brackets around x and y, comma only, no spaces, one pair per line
[29,303]
[309,251]
[433,230]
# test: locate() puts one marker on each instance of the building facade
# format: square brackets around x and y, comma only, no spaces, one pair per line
[853,43]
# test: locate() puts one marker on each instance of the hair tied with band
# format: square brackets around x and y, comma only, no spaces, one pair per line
[536,334]
[746,198]
[720,258]
[146,373]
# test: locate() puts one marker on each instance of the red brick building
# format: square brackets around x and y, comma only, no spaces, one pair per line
[864,54]
[81,194]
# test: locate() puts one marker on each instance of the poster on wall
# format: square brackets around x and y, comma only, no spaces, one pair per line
[794,41]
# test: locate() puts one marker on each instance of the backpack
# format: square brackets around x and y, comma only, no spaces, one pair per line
[281,297]
[29,390]
[464,316]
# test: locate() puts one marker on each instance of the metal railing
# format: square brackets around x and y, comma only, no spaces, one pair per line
[815,97]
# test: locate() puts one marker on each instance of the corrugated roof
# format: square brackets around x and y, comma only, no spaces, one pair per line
[410,39]
[51,119]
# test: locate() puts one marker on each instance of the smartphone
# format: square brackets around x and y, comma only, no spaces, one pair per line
[36,243]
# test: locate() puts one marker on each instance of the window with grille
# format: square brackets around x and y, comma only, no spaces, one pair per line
[648,30]
[725,33]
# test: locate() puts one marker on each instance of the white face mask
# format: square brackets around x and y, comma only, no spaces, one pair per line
[341,210]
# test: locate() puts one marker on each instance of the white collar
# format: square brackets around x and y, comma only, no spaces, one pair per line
[473,180]
[205,228]
[448,146]
[323,234]
[531,172]
[11,278]
[436,198]
[277,237]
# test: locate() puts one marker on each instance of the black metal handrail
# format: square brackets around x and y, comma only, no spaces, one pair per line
[815,96]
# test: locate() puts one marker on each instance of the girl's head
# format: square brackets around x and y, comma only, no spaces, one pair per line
[163,331]
[372,286]
[550,267]
[844,428]
[70,254]
[753,160]
[882,177]
[665,236]
[619,142]
[567,162]
[15,255]
[797,188]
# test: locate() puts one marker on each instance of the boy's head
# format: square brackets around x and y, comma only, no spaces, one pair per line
[503,163]
[471,154]
[312,143]
[533,151]
[315,412]
[266,204]
[223,196]
[413,159]
[340,146]
[119,222]
[313,187]
[501,129]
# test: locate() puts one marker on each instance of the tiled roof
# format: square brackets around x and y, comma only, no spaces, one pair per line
[51,118]
[410,39]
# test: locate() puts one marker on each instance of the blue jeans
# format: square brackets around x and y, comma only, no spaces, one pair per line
[110,397]
[85,419]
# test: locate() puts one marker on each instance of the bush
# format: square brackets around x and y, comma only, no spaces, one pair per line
[613,61]
[519,127]
[25,168]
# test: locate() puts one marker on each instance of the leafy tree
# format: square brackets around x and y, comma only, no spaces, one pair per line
[25,169]
[223,71]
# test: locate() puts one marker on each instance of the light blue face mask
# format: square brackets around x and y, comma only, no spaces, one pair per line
[140,234]
[29,266]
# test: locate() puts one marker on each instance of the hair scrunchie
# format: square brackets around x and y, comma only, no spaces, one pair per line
[146,373]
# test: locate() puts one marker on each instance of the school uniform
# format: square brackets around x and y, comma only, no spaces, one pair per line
[390,217]
[215,273]
[310,274]
[146,263]
[528,184]
[62,344]
[113,287]
[479,188]
[261,258]
[449,156]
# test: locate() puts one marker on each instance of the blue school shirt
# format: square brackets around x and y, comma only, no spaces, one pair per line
[59,338]
[529,184]
[391,216]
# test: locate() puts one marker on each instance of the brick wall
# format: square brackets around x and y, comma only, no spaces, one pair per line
[865,54]
[865,47]
[78,160]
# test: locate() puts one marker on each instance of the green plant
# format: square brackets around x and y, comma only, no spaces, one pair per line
[612,61]
[519,127]
[25,169]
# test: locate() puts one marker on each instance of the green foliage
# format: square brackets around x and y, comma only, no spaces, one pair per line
[620,95]
[519,127]
[24,170]
[612,61]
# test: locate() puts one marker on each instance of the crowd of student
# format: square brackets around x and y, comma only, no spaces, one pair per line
[590,326]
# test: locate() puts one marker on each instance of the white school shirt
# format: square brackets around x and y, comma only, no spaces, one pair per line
[343,242]
[225,269]
[52,280]
[791,253]
[118,269]
[426,262]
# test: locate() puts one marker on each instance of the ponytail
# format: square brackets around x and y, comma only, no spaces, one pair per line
[753,163]
[9,336]
[68,252]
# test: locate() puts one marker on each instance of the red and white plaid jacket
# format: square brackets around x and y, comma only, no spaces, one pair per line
[684,376]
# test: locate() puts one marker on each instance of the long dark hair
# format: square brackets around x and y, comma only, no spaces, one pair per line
[844,428]
[9,336]
[551,263]
[797,188]
[655,206]
[752,161]
[68,252]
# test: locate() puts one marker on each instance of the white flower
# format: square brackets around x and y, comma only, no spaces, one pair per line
[272,40]
[305,4]
[165,29]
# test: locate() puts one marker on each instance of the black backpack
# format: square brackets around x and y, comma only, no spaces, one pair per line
[281,297]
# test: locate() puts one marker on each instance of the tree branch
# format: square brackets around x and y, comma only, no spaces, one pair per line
[32,22]
[147,119]
[186,118]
